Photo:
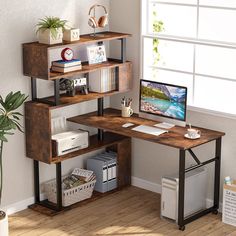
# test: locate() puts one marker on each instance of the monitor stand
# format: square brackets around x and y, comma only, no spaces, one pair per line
[162,119]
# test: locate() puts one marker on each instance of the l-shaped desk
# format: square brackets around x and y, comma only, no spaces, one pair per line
[111,120]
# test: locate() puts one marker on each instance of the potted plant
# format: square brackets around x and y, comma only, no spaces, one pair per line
[50,30]
[158,26]
[9,121]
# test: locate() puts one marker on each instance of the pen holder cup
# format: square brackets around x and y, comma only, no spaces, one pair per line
[126,111]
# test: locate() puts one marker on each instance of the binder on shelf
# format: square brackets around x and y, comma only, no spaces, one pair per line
[105,168]
[102,81]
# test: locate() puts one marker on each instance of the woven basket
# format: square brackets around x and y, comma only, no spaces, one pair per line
[69,196]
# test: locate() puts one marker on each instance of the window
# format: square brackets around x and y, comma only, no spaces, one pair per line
[194,46]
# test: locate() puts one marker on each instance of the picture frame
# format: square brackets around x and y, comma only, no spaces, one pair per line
[96,54]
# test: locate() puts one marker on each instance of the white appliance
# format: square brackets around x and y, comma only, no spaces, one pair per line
[68,140]
[71,141]
[195,193]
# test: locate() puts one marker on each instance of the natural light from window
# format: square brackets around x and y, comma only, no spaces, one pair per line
[194,46]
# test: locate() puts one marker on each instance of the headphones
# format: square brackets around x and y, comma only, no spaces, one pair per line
[103,20]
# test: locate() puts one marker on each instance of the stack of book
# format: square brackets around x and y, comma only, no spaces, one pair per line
[66,66]
[103,81]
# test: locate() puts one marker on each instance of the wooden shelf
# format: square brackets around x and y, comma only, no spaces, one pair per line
[36,56]
[38,139]
[86,68]
[78,98]
[123,84]
[112,121]
[41,206]
[38,113]
[66,100]
[84,39]
[94,144]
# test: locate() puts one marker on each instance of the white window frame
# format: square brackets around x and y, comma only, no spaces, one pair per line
[145,34]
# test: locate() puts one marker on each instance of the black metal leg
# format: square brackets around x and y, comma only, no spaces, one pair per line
[117,78]
[56,91]
[100,113]
[123,50]
[181,189]
[182,221]
[59,186]
[33,88]
[217,173]
[87,80]
[36,182]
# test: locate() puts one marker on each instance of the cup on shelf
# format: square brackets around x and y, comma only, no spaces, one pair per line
[193,133]
[126,111]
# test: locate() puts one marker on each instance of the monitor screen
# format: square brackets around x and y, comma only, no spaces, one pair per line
[162,99]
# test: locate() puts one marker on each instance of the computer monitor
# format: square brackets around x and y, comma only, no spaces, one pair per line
[163,102]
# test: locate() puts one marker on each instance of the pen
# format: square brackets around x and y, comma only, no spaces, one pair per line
[123,101]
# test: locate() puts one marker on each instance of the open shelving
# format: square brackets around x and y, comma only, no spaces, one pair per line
[36,60]
[38,112]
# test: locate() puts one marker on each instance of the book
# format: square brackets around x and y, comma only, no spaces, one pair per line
[66,69]
[65,64]
[86,175]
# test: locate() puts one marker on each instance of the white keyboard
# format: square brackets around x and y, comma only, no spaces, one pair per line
[149,130]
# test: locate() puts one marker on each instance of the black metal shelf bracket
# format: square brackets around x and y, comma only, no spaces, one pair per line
[57,92]
[100,113]
[34,88]
[123,50]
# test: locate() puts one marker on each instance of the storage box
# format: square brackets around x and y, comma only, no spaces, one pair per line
[229,204]
[69,196]
[71,35]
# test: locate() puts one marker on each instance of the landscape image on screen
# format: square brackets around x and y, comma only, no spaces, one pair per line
[164,100]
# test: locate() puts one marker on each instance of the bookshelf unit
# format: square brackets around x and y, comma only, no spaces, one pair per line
[39,145]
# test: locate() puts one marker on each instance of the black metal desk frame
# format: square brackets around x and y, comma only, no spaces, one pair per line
[182,171]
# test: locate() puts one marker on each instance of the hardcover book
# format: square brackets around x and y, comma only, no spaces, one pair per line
[66,69]
[65,64]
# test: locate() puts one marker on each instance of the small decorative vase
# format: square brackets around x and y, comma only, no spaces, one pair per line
[3,224]
[46,37]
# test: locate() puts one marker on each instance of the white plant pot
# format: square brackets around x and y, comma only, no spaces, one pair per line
[45,36]
[4,225]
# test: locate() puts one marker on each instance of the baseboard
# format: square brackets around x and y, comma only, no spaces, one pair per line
[144,184]
[138,182]
[209,203]
[156,188]
[20,206]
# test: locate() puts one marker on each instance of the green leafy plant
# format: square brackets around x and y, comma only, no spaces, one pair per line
[51,23]
[9,121]
[158,26]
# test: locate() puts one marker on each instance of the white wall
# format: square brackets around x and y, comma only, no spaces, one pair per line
[18,20]
[151,161]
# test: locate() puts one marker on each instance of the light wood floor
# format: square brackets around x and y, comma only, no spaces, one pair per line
[131,212]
